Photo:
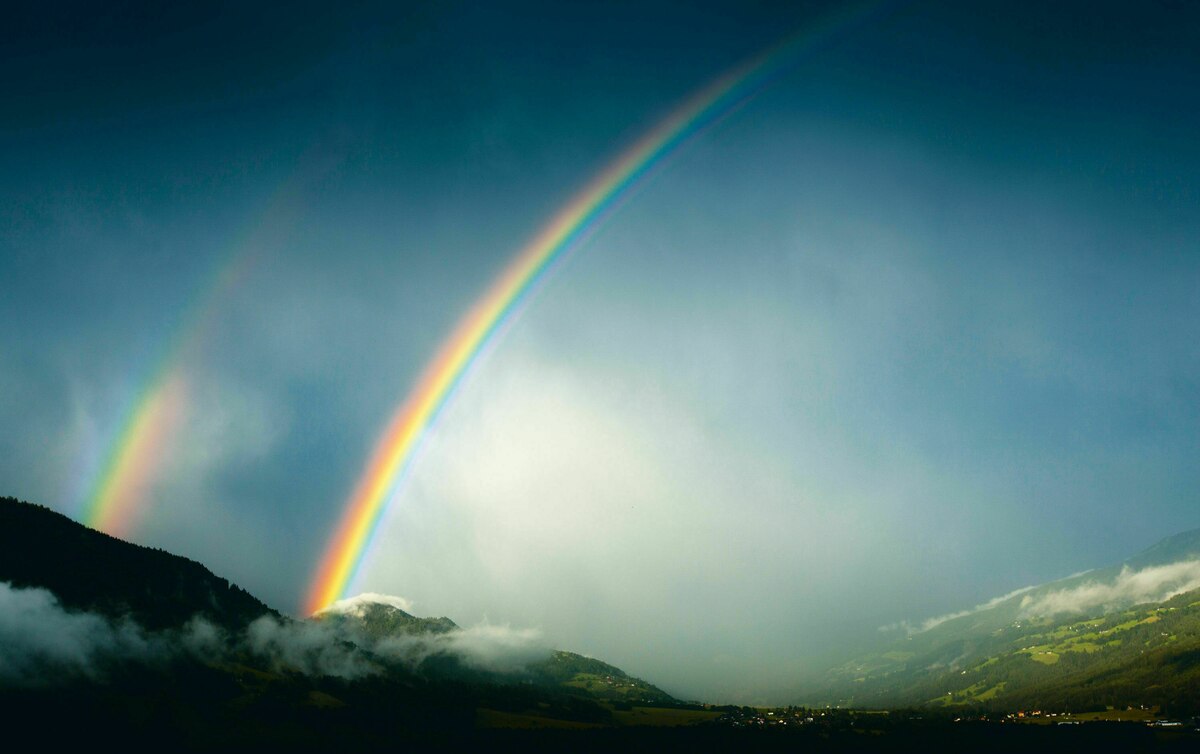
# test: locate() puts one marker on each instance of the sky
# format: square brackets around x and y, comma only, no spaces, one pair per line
[910,327]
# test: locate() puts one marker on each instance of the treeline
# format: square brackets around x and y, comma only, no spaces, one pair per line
[92,571]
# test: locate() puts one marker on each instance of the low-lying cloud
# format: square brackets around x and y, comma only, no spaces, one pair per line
[43,643]
[39,637]
[359,603]
[498,649]
[1130,587]
[925,625]
[311,648]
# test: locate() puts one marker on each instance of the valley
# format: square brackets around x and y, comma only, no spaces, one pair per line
[173,652]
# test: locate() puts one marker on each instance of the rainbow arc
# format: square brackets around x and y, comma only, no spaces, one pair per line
[383,477]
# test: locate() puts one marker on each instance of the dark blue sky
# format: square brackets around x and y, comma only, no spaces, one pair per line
[912,327]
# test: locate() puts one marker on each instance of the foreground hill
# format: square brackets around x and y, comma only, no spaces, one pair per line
[89,570]
[1124,635]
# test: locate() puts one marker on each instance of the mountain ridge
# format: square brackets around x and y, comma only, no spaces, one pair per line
[89,570]
[1181,546]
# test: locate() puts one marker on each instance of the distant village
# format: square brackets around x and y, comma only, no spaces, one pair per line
[842,718]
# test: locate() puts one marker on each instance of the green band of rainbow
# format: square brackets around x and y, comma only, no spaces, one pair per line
[381,480]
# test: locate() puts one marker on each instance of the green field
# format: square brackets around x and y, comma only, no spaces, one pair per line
[663,716]
[490,718]
[655,717]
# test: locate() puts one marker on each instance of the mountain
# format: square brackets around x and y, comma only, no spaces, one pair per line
[89,570]
[376,619]
[1128,634]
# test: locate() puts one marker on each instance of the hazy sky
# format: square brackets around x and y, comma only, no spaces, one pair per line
[913,327]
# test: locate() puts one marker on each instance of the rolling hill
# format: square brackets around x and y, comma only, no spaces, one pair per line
[1125,635]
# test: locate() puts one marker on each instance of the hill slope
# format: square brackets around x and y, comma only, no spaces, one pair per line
[89,570]
[1128,634]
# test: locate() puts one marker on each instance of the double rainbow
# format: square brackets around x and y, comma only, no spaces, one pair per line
[385,473]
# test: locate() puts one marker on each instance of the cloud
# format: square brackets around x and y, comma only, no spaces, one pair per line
[42,640]
[502,649]
[357,604]
[230,422]
[45,643]
[309,647]
[334,648]
[1152,584]
[936,621]
[200,638]
[494,648]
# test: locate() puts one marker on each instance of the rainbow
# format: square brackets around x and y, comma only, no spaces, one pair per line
[159,408]
[120,485]
[137,453]
[384,474]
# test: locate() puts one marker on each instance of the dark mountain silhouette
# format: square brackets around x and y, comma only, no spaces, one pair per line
[90,570]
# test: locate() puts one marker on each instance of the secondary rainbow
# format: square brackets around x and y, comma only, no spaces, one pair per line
[384,474]
[157,410]
[118,489]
